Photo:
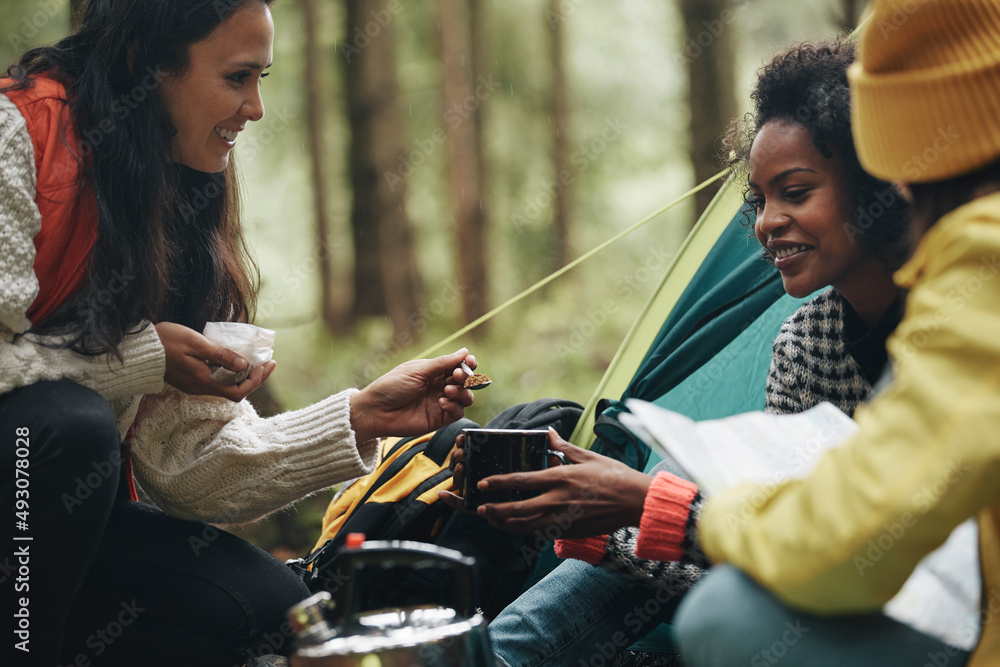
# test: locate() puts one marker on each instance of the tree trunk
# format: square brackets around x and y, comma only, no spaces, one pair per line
[560,142]
[708,51]
[386,279]
[480,56]
[463,97]
[75,13]
[333,319]
[849,14]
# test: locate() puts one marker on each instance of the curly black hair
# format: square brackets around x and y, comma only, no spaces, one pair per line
[808,85]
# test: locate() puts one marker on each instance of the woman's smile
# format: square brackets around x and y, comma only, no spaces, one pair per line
[228,136]
[214,97]
[788,257]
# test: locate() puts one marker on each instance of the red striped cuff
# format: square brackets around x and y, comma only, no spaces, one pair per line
[588,549]
[663,526]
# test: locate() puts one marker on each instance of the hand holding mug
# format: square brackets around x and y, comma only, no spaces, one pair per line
[489,452]
[595,496]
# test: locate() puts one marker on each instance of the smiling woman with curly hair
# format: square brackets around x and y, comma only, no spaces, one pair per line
[823,221]
[807,86]
[815,216]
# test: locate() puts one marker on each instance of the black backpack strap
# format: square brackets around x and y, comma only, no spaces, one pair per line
[441,444]
[301,567]
[560,414]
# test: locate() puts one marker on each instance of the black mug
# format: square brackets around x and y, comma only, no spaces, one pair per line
[496,451]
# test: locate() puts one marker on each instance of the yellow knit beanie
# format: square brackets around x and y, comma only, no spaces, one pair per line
[925,89]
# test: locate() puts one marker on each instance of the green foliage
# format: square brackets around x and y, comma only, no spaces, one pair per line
[24,24]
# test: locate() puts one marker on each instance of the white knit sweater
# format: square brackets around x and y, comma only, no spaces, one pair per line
[198,457]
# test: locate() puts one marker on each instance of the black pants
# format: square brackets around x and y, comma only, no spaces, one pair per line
[90,577]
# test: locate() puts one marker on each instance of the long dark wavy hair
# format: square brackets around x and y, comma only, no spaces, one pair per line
[808,85]
[169,238]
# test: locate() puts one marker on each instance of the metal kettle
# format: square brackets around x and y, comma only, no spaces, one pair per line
[381,620]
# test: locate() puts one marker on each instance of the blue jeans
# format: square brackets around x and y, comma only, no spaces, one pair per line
[728,619]
[580,615]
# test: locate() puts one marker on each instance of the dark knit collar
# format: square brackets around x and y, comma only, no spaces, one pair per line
[867,344]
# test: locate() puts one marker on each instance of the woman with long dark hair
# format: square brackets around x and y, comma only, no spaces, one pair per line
[120,223]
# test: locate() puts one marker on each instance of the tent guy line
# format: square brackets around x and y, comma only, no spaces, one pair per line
[559,272]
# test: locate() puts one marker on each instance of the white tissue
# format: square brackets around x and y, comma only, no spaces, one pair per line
[251,342]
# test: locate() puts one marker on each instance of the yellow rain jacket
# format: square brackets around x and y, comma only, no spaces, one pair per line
[926,458]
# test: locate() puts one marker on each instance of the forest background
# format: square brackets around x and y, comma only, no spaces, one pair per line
[423,161]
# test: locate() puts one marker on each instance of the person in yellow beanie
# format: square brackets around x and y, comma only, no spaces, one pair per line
[804,569]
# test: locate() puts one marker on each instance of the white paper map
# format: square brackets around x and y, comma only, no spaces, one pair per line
[941,597]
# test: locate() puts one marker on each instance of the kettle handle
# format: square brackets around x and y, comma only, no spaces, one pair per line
[415,556]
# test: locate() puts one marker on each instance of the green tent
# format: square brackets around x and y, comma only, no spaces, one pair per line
[702,344]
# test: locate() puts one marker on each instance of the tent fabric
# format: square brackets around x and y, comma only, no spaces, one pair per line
[638,341]
[716,311]
[731,288]
[732,381]
[651,321]
[701,346]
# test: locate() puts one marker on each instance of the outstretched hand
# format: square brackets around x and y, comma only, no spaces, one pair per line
[189,355]
[595,495]
[415,397]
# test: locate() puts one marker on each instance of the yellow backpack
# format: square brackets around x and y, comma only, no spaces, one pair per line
[398,500]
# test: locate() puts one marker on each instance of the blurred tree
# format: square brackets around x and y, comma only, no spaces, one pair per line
[463,97]
[76,13]
[709,54]
[479,36]
[848,19]
[386,278]
[560,137]
[333,318]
